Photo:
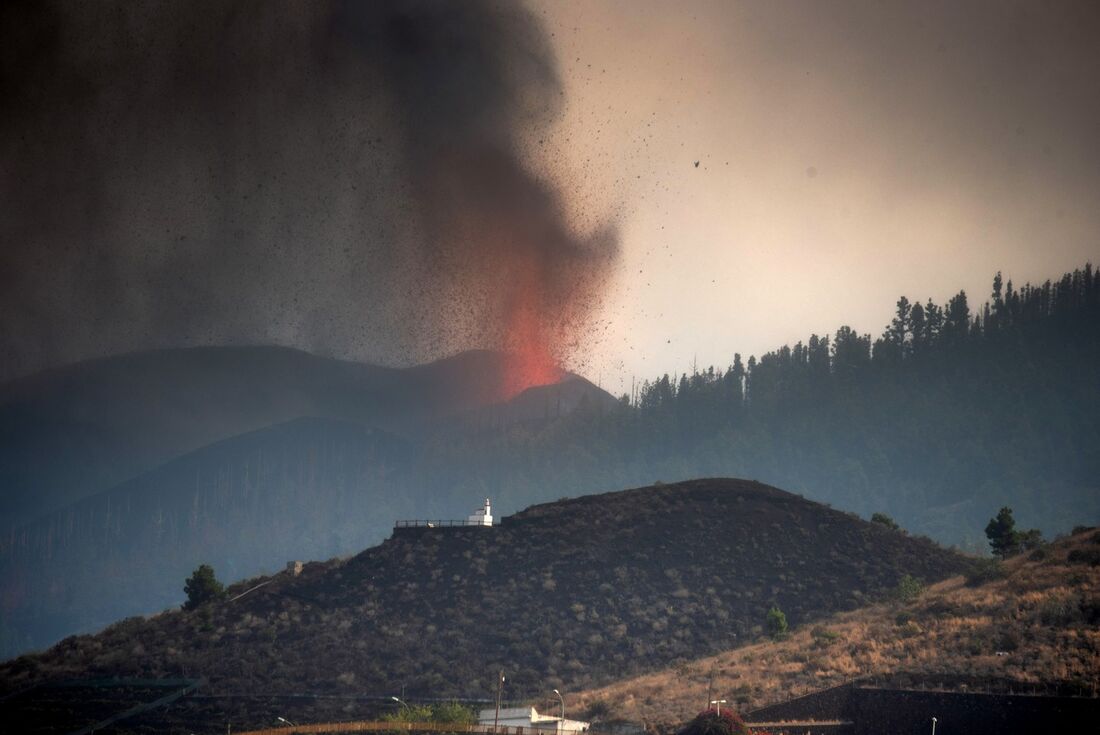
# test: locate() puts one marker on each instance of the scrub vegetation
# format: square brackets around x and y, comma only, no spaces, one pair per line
[1036,628]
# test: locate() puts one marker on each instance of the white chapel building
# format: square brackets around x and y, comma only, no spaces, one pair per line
[482,516]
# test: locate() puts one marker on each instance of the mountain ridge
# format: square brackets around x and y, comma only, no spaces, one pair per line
[73,430]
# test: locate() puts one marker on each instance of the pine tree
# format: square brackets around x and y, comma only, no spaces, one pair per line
[933,322]
[202,587]
[918,329]
[900,325]
[957,318]
[1001,531]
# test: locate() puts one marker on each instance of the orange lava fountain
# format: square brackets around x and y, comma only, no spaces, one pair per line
[531,361]
[504,244]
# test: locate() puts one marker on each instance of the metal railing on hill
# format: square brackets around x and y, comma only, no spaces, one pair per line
[436,524]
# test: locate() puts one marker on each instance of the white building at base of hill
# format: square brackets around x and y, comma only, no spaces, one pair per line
[527,717]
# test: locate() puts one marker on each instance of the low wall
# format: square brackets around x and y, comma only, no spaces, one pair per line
[826,704]
[909,712]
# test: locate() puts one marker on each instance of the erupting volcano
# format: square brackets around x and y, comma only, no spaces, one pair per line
[544,293]
[547,297]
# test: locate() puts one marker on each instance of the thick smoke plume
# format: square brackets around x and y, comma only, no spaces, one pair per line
[351,178]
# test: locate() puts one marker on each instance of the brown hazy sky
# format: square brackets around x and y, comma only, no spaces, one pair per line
[849,152]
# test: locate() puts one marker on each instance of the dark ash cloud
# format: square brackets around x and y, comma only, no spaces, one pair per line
[344,177]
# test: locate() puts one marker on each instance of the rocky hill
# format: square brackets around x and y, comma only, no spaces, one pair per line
[569,594]
[1029,626]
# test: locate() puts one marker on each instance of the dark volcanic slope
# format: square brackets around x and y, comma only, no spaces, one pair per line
[566,594]
[70,432]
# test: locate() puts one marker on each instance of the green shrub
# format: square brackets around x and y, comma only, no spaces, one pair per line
[410,713]
[1084,556]
[985,571]
[1031,539]
[777,623]
[910,629]
[824,637]
[453,713]
[909,588]
[885,520]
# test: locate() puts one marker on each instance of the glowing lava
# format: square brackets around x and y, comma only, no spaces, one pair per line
[531,361]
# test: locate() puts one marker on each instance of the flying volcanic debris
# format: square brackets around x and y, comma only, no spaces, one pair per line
[339,176]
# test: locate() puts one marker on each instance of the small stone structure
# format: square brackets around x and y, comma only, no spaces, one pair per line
[294,568]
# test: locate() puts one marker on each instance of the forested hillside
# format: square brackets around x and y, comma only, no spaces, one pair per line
[948,415]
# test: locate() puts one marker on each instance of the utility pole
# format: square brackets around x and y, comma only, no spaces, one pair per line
[561,722]
[500,690]
[718,706]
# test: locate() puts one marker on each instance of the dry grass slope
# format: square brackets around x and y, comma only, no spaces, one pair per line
[1038,626]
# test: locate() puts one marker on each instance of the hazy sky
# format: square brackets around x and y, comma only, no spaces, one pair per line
[849,152]
[382,181]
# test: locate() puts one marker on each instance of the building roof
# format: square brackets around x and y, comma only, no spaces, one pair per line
[529,715]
